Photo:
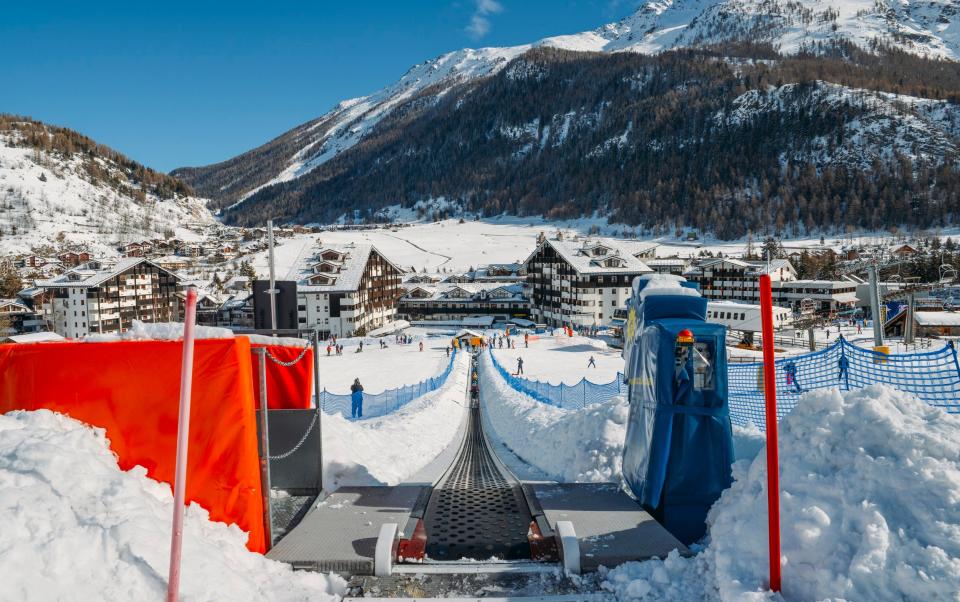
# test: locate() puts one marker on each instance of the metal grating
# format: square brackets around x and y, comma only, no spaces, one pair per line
[477,513]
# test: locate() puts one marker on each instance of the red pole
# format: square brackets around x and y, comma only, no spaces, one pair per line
[183,430]
[773,461]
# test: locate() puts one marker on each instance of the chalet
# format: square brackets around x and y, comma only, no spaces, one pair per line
[905,251]
[73,258]
[933,324]
[581,282]
[347,290]
[13,315]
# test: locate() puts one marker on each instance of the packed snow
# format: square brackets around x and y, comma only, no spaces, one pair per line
[389,449]
[584,445]
[380,369]
[73,526]
[556,359]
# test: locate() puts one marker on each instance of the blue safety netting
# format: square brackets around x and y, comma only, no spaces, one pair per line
[933,376]
[380,404]
[576,396]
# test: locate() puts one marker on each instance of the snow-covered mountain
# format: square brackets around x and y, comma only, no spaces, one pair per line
[924,28]
[58,187]
[927,28]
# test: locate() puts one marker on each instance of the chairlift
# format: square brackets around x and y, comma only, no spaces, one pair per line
[948,273]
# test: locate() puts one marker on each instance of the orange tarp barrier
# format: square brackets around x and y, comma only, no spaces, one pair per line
[131,389]
[288,387]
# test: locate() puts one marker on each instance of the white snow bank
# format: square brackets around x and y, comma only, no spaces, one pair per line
[159,331]
[388,449]
[73,526]
[870,484]
[665,284]
[569,445]
[173,331]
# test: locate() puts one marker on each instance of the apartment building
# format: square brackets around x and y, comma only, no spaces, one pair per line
[348,290]
[106,297]
[730,279]
[581,282]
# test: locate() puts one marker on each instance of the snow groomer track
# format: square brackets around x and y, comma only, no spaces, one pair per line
[473,516]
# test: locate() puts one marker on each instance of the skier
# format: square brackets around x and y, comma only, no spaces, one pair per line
[519,365]
[859,330]
[591,363]
[328,350]
[790,371]
[356,399]
[500,342]
[361,347]
[448,350]
[842,364]
[421,345]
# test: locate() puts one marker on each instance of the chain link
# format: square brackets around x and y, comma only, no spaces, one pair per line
[303,352]
[299,443]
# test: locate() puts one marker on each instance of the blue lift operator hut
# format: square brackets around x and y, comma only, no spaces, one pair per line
[679,445]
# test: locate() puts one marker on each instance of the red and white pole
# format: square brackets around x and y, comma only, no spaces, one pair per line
[183,431]
[773,460]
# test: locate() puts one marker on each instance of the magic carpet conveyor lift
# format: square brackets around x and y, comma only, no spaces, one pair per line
[473,515]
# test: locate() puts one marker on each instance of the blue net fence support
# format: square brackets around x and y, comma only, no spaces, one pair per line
[381,404]
[576,396]
[933,376]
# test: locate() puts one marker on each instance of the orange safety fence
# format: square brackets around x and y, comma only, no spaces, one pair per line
[131,389]
[288,387]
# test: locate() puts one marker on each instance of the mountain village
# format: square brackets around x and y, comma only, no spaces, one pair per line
[666,309]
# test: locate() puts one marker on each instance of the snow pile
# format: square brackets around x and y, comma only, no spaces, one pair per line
[389,449]
[569,445]
[159,331]
[870,485]
[73,526]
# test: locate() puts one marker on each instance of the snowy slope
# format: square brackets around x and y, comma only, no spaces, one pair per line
[889,124]
[923,28]
[44,193]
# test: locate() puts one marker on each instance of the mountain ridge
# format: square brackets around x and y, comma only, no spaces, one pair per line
[804,28]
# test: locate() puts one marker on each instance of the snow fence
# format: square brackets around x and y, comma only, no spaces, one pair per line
[391,400]
[568,397]
[933,376]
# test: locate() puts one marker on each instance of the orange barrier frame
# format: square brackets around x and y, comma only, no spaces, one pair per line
[288,387]
[131,389]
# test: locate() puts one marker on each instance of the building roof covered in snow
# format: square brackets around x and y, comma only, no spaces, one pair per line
[336,269]
[593,255]
[95,273]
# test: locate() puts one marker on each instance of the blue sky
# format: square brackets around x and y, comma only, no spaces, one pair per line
[190,83]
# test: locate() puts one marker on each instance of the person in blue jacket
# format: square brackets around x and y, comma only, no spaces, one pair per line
[356,399]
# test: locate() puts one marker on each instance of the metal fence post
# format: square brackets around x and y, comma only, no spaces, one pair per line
[265,448]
